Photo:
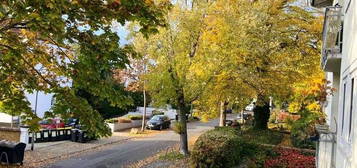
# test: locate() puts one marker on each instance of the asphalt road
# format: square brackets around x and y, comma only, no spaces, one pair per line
[133,150]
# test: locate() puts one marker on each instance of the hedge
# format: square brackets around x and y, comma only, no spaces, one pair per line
[124,120]
[221,147]
[135,117]
[155,112]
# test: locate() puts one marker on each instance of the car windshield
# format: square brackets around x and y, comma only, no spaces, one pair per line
[156,118]
[71,120]
[43,122]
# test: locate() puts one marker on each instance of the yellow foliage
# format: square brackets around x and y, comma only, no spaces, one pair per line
[314,107]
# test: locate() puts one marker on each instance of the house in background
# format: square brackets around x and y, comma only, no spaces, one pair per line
[44,103]
[338,138]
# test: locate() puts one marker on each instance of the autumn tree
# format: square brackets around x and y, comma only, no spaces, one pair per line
[277,44]
[178,73]
[44,45]
[132,76]
[268,46]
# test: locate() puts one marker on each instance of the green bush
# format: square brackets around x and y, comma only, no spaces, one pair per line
[262,136]
[302,143]
[303,128]
[135,117]
[221,147]
[112,120]
[124,120]
[156,112]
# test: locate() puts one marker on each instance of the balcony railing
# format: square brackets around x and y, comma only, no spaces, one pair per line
[325,146]
[321,3]
[332,40]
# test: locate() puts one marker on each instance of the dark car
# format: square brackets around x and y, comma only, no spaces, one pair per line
[229,122]
[72,122]
[158,122]
[245,116]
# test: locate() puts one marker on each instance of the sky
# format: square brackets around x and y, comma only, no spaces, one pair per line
[121,31]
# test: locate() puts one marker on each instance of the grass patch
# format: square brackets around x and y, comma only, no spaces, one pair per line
[172,156]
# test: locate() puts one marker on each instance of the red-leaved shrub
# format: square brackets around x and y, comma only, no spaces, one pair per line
[290,158]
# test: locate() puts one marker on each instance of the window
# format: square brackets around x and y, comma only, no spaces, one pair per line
[343,107]
[351,108]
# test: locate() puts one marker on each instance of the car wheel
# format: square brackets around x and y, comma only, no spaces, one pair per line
[160,127]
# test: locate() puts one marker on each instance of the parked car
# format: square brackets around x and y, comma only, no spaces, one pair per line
[245,116]
[229,111]
[52,124]
[250,107]
[158,122]
[229,122]
[72,122]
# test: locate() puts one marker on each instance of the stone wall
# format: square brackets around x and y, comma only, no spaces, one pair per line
[11,134]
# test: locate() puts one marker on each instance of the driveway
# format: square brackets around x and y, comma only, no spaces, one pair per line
[119,155]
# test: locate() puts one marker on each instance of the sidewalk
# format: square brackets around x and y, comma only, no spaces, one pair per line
[45,153]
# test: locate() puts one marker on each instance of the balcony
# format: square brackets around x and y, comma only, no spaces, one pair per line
[321,3]
[332,40]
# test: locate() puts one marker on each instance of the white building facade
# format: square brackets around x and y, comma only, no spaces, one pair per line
[338,146]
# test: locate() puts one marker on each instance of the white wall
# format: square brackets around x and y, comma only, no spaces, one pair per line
[171,113]
[5,118]
[327,149]
[346,143]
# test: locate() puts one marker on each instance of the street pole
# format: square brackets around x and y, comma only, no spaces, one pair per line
[33,132]
[144,113]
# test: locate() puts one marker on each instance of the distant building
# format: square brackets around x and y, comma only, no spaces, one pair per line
[338,138]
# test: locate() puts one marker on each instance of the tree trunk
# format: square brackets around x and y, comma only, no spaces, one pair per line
[223,115]
[261,113]
[183,122]
[144,113]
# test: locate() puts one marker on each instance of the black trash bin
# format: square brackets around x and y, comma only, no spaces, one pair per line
[30,137]
[12,152]
[67,134]
[45,135]
[82,136]
[74,135]
[38,137]
[61,135]
[53,135]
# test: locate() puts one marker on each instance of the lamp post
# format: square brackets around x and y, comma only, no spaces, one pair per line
[144,93]
[33,133]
